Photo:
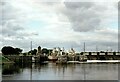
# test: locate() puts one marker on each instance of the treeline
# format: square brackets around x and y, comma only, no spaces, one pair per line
[8,50]
[43,51]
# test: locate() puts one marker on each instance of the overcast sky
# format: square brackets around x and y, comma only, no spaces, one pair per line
[59,24]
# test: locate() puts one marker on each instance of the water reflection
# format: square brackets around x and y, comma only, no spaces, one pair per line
[10,69]
[0,72]
[51,71]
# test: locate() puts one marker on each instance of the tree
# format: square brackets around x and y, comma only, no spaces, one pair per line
[50,51]
[33,52]
[45,50]
[24,54]
[18,50]
[8,50]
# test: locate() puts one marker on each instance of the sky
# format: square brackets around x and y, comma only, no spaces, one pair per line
[59,23]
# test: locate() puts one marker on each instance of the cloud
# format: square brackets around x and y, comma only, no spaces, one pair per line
[53,24]
[88,16]
[12,21]
[84,18]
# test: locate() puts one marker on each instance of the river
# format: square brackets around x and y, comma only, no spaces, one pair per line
[51,71]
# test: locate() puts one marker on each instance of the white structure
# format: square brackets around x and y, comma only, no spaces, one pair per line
[102,53]
[71,52]
[94,53]
[109,53]
[117,53]
[85,53]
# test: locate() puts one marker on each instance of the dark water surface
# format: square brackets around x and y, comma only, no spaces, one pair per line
[51,71]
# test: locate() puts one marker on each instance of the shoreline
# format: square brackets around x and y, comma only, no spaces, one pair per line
[95,62]
[79,62]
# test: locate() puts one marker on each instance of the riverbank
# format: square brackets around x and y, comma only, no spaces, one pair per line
[4,60]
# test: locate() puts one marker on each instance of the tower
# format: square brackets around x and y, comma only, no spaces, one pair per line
[39,50]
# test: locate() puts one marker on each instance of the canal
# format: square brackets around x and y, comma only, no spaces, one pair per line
[51,71]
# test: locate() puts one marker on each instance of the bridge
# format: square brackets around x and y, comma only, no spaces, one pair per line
[102,55]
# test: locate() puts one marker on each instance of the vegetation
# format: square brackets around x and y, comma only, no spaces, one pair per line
[5,59]
[33,52]
[8,50]
[45,51]
[24,54]
[10,69]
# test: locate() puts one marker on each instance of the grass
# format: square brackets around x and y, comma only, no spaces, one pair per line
[4,60]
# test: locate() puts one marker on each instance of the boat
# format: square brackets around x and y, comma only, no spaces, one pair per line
[62,60]
[52,58]
[82,58]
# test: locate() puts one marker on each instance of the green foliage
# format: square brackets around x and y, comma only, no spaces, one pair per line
[8,50]
[18,50]
[24,54]
[45,50]
[33,52]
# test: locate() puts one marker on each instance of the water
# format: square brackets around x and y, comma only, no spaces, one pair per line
[51,71]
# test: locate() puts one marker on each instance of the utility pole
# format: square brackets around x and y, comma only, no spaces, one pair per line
[84,46]
[31,47]
[96,48]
